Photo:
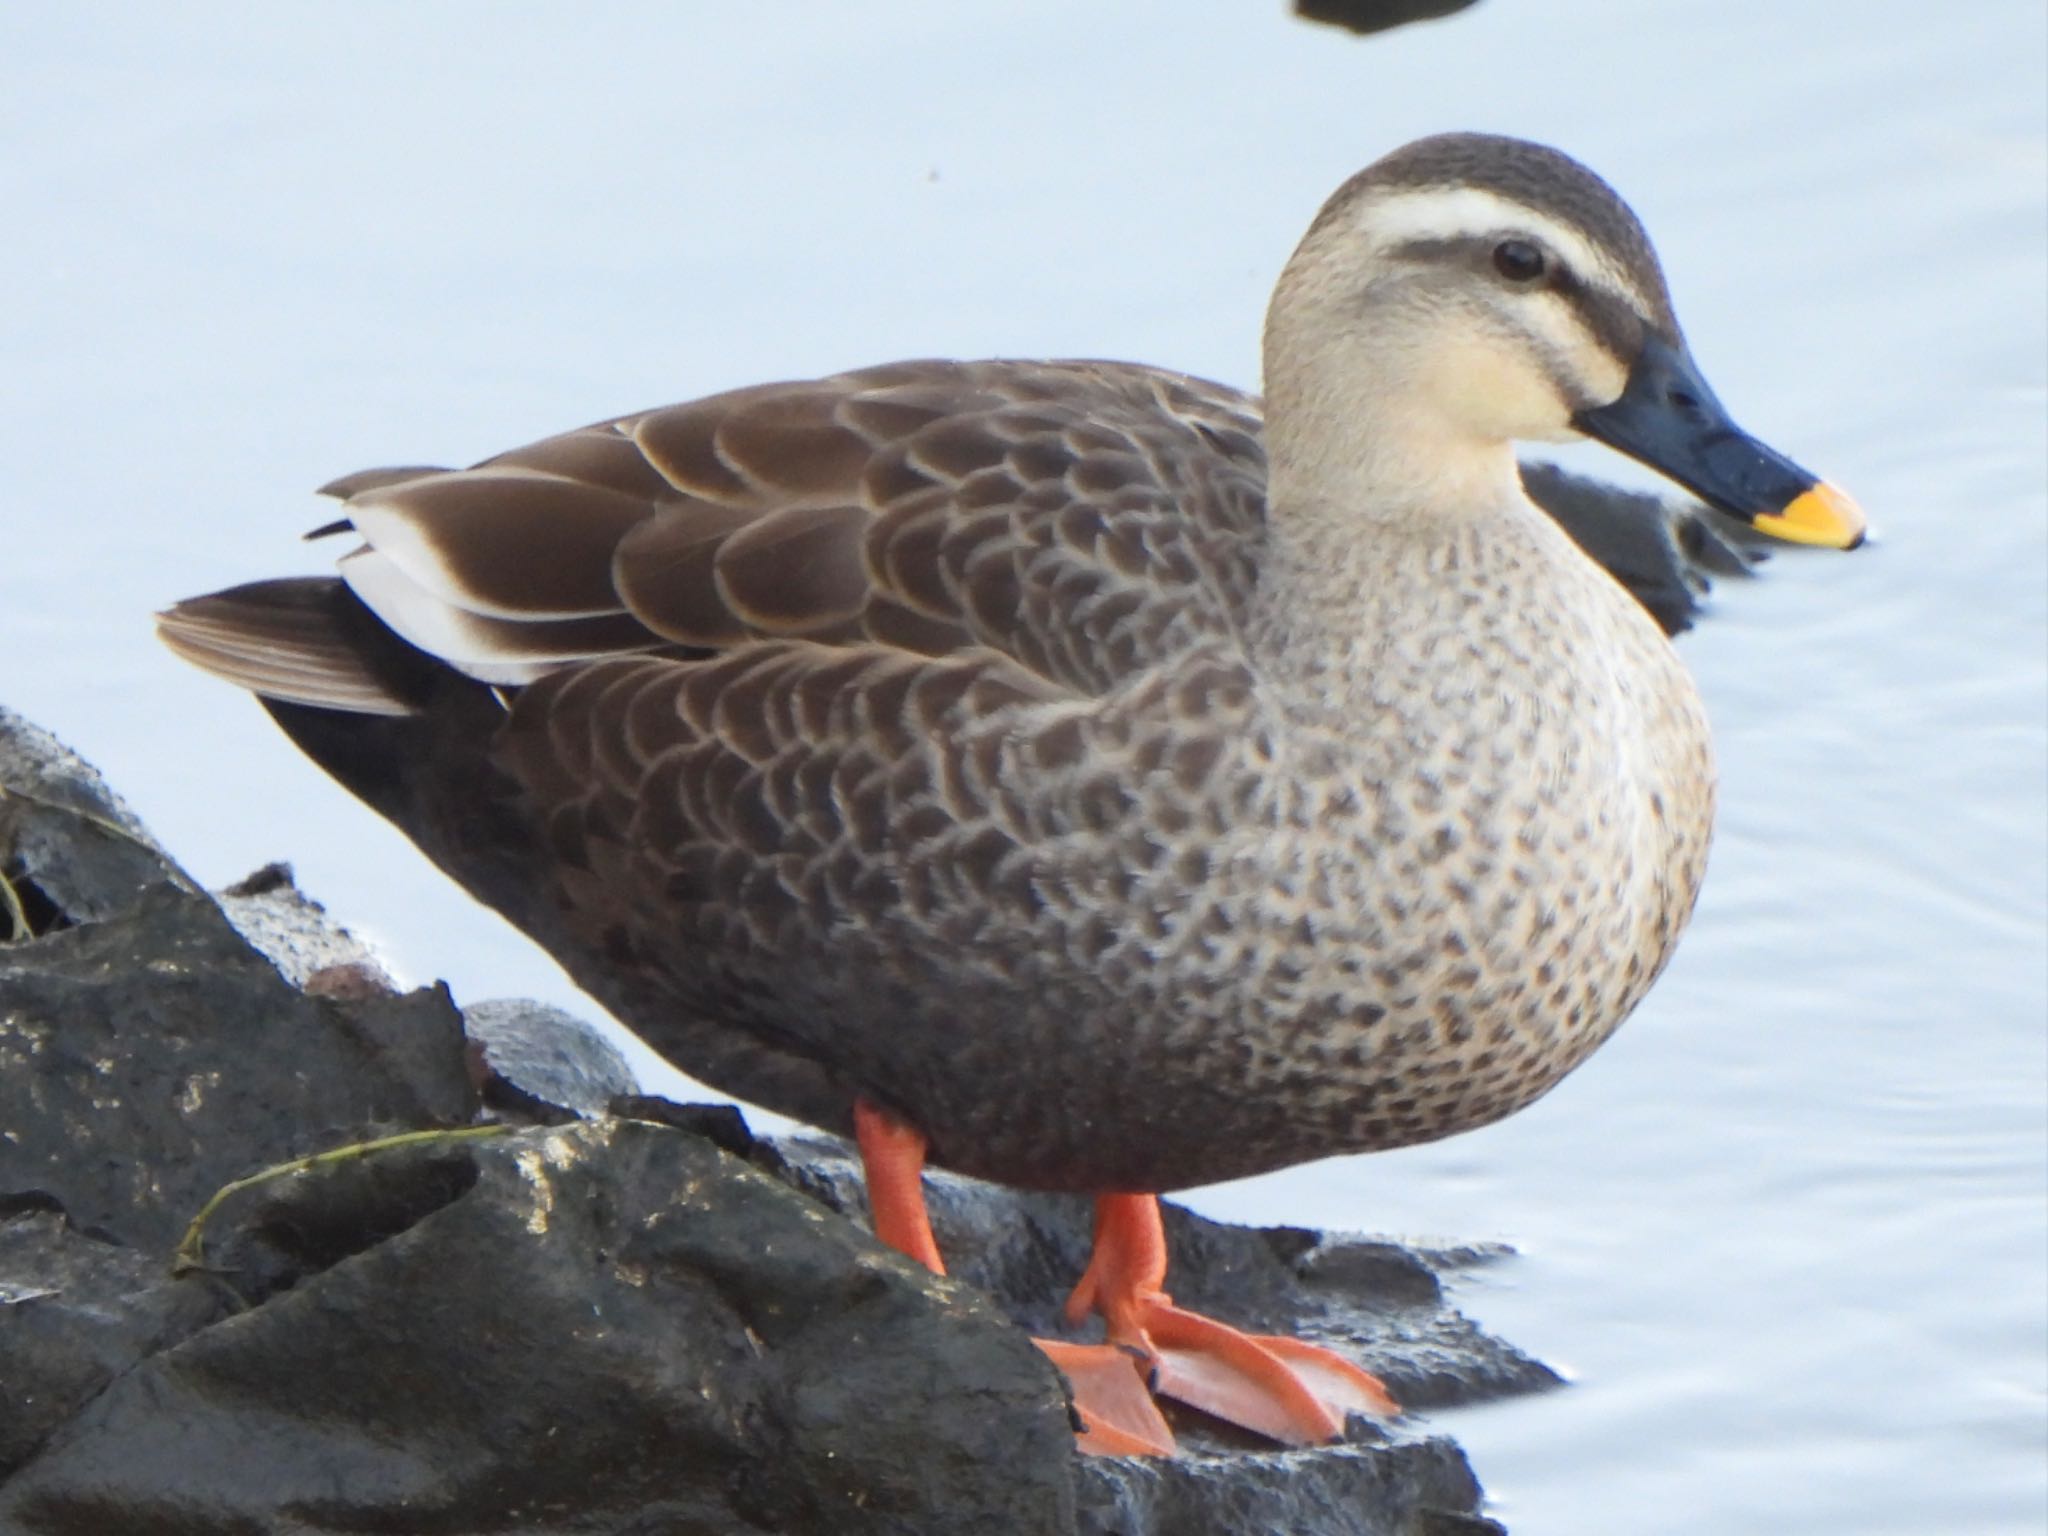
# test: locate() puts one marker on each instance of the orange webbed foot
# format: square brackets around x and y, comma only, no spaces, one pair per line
[1118,1416]
[1285,1389]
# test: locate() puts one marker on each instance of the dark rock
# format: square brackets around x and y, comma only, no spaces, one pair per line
[1428,1481]
[147,1059]
[720,1124]
[542,1054]
[294,932]
[646,1322]
[614,1326]
[77,1313]
[70,850]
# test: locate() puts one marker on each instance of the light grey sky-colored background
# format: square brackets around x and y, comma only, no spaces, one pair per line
[1789,1231]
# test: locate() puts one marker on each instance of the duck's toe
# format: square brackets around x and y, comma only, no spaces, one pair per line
[1285,1389]
[1118,1416]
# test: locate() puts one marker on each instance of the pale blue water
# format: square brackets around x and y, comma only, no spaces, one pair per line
[1789,1231]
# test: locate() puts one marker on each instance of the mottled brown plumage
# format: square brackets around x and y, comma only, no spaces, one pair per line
[981,739]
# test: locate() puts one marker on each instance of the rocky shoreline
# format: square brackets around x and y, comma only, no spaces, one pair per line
[619,1314]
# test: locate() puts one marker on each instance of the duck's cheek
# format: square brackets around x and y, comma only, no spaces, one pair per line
[1491,392]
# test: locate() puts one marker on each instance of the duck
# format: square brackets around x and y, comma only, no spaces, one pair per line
[1076,774]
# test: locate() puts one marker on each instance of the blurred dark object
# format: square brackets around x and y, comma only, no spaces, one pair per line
[1363,16]
[1663,551]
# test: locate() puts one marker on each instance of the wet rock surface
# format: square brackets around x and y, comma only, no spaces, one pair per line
[645,1320]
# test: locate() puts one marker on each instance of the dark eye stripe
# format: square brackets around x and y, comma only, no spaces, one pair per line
[1612,320]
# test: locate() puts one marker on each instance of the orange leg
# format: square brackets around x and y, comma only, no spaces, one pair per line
[892,1156]
[1290,1391]
[1118,1416]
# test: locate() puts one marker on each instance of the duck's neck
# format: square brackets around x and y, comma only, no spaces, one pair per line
[1382,460]
[1375,506]
[1381,416]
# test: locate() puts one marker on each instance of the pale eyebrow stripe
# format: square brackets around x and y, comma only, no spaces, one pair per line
[1403,217]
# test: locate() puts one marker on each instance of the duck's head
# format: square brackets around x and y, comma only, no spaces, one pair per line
[1467,292]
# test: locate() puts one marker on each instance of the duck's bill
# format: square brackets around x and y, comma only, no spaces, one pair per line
[1668,418]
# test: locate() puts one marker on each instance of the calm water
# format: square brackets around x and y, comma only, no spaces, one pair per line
[1789,1232]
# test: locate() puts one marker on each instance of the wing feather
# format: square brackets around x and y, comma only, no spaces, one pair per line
[1076,518]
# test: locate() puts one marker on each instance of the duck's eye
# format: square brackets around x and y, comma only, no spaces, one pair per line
[1518,261]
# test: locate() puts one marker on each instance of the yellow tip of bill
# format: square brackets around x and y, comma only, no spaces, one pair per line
[1819,515]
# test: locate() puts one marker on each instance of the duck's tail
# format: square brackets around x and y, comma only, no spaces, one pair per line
[301,640]
[403,731]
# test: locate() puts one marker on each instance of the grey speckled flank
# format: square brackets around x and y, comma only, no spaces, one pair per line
[982,740]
